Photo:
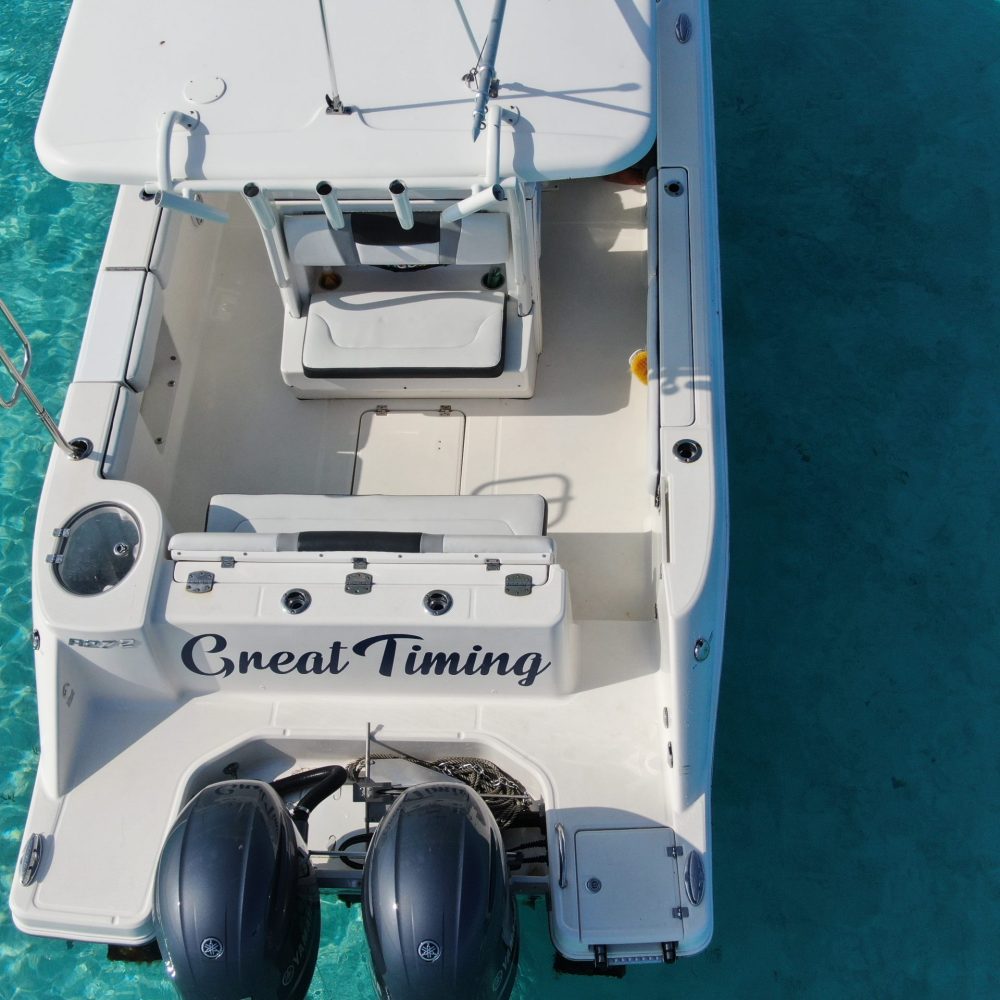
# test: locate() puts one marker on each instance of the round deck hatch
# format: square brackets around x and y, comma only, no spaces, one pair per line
[205,90]
[98,548]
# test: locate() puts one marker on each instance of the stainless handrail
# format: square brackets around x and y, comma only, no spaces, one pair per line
[78,447]
[21,376]
[561,845]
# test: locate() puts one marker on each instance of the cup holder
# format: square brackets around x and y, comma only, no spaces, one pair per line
[296,601]
[687,451]
[437,602]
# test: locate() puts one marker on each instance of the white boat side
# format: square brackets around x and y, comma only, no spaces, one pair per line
[581,647]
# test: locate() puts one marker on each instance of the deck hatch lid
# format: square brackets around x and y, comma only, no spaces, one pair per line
[628,886]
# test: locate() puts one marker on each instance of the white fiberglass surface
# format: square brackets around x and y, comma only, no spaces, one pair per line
[586,101]
[580,441]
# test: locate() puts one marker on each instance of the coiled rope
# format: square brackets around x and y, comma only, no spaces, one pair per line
[505,796]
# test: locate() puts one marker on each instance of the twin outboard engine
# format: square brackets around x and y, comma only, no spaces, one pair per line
[236,905]
[438,910]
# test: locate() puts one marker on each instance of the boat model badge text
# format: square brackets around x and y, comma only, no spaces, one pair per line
[389,647]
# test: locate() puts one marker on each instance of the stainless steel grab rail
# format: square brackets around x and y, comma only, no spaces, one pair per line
[75,449]
[561,845]
[19,377]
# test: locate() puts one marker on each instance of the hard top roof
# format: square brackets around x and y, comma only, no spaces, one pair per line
[257,73]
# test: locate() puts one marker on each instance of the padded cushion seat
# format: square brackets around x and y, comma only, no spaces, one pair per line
[437,321]
[521,514]
[377,239]
[198,545]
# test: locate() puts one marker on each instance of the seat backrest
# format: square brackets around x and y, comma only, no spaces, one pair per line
[200,546]
[376,238]
[483,238]
[312,242]
[506,514]
[289,526]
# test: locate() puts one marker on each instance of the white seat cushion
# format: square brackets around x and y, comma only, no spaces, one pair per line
[520,514]
[435,321]
[194,546]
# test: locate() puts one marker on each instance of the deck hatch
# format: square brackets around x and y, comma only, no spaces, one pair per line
[627,886]
[409,452]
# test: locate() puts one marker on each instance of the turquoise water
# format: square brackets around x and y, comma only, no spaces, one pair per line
[857,791]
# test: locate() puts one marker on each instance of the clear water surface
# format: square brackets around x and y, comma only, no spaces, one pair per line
[856,793]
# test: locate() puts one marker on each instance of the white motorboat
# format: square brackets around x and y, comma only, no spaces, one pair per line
[343,578]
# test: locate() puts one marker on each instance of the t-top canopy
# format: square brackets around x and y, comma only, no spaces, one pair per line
[256,75]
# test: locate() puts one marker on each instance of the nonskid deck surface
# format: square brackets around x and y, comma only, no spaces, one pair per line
[580,441]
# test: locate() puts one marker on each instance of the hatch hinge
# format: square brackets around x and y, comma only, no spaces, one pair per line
[518,584]
[359,562]
[493,565]
[381,410]
[227,562]
[444,410]
[680,912]
[200,582]
[358,583]
[675,851]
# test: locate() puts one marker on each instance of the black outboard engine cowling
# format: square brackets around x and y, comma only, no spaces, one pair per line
[236,905]
[439,912]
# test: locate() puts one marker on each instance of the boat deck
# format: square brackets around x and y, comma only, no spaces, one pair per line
[236,428]
[580,441]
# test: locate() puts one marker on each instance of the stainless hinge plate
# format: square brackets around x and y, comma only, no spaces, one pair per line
[518,584]
[493,565]
[200,582]
[358,583]
[680,912]
[360,562]
[675,851]
[228,562]
[381,410]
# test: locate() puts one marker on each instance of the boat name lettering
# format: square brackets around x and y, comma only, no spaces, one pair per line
[388,647]
[281,662]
